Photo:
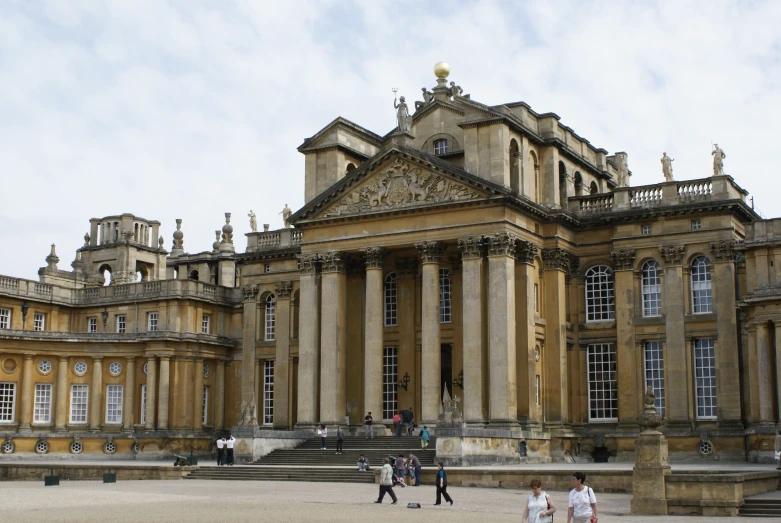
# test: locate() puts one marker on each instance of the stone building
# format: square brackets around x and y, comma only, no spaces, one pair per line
[489,252]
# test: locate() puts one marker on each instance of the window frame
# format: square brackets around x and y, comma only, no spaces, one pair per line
[390,375]
[270,318]
[711,387]
[142,417]
[645,229]
[600,294]
[5,318]
[71,411]
[445,296]
[205,406]
[39,326]
[390,295]
[152,321]
[696,225]
[702,288]
[268,392]
[7,406]
[651,289]
[92,325]
[536,298]
[537,389]
[596,403]
[42,405]
[115,392]
[441,146]
[206,320]
[654,375]
[121,323]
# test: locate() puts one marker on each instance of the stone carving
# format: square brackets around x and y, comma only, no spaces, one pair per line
[227,232]
[399,186]
[178,247]
[216,244]
[286,213]
[283,289]
[667,167]
[672,255]
[718,159]
[430,251]
[649,419]
[723,249]
[249,414]
[525,252]
[622,166]
[307,263]
[333,261]
[455,90]
[428,97]
[450,412]
[253,221]
[403,118]
[86,239]
[471,247]
[556,260]
[374,257]
[623,259]
[501,244]
[160,242]
[249,291]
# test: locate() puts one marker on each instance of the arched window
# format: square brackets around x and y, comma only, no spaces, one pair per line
[563,181]
[578,184]
[594,189]
[515,167]
[600,302]
[390,300]
[193,275]
[440,146]
[445,297]
[652,289]
[702,296]
[271,316]
[350,167]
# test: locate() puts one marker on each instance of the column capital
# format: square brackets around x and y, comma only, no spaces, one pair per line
[430,251]
[63,359]
[406,267]
[501,244]
[723,250]
[165,358]
[672,254]
[283,289]
[307,262]
[557,260]
[97,359]
[471,247]
[374,257]
[28,357]
[250,291]
[130,358]
[455,263]
[623,259]
[333,261]
[525,252]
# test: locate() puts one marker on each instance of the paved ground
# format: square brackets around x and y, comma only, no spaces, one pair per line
[249,501]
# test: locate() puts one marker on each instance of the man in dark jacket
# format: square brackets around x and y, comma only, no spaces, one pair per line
[414,462]
[407,416]
[442,485]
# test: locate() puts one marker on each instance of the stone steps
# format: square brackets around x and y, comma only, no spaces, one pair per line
[756,508]
[265,473]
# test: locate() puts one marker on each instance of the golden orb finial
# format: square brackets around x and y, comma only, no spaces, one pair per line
[442,69]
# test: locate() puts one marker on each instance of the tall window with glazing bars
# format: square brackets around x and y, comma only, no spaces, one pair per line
[390,368]
[391,306]
[271,317]
[268,392]
[652,289]
[445,297]
[702,295]
[600,301]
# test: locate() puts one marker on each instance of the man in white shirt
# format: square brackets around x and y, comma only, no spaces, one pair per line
[220,450]
[229,444]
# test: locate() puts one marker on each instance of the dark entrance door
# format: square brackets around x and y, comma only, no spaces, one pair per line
[447,370]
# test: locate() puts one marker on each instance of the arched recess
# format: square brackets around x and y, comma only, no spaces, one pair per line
[350,167]
[104,270]
[515,167]
[193,275]
[536,178]
[578,184]
[144,271]
[451,144]
[594,188]
[563,182]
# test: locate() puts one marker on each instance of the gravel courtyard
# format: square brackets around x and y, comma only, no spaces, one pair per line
[240,501]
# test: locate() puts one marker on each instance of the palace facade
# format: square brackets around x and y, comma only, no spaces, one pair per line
[488,253]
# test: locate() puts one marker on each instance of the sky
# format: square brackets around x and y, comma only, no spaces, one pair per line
[189,109]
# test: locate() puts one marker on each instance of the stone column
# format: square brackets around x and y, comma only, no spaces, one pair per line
[151,392]
[333,339]
[503,399]
[765,368]
[431,350]
[472,299]
[198,395]
[526,345]
[678,401]
[282,362]
[128,400]
[778,370]
[727,365]
[26,394]
[162,404]
[96,394]
[626,351]
[61,410]
[373,344]
[308,342]
[248,385]
[219,396]
[556,263]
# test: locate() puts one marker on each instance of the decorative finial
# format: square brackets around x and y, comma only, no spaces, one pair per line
[216,244]
[649,419]
[178,247]
[442,70]
[52,259]
[227,235]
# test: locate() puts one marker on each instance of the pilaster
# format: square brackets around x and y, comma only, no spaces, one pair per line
[373,342]
[431,356]
[128,399]
[282,363]
[197,422]
[96,394]
[333,339]
[151,392]
[626,352]
[678,400]
[219,396]
[556,264]
[309,341]
[61,410]
[164,381]
[26,393]
[472,299]
[249,327]
[765,373]
[525,253]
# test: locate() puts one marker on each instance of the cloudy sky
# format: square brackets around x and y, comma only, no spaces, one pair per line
[190,109]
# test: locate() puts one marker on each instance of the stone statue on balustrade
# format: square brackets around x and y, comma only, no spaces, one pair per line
[718,159]
[86,239]
[667,167]
[286,213]
[428,97]
[622,166]
[253,221]
[403,118]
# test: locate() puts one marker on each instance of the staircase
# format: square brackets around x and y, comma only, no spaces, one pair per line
[255,473]
[756,508]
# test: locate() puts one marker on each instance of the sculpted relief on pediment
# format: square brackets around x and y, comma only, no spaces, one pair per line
[399,186]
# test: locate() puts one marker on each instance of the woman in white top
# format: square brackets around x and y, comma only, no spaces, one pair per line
[582,502]
[539,508]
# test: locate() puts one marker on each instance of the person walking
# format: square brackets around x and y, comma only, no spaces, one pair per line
[539,508]
[582,502]
[409,420]
[339,439]
[397,424]
[424,438]
[442,485]
[323,433]
[414,464]
[229,446]
[777,449]
[367,426]
[386,482]
[220,450]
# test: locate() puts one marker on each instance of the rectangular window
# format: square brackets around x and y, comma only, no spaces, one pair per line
[43,403]
[390,300]
[268,392]
[267,268]
[39,321]
[113,404]
[7,402]
[445,297]
[646,230]
[79,395]
[151,321]
[390,371]
[205,323]
[5,318]
[537,389]
[205,411]
[143,404]
[602,382]
[440,146]
[696,225]
[536,298]
[92,325]
[121,323]
[271,318]
[654,373]
[705,377]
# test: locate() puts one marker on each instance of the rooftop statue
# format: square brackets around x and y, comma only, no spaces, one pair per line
[286,213]
[667,167]
[718,160]
[402,114]
[428,97]
[253,221]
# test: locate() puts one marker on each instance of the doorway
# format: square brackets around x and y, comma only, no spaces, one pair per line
[446,370]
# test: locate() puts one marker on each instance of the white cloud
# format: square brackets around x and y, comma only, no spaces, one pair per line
[191,109]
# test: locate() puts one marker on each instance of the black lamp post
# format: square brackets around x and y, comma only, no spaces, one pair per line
[459,381]
[25,308]
[104,315]
[404,382]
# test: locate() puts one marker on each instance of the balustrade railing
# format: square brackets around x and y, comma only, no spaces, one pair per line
[695,190]
[596,203]
[645,196]
[268,240]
